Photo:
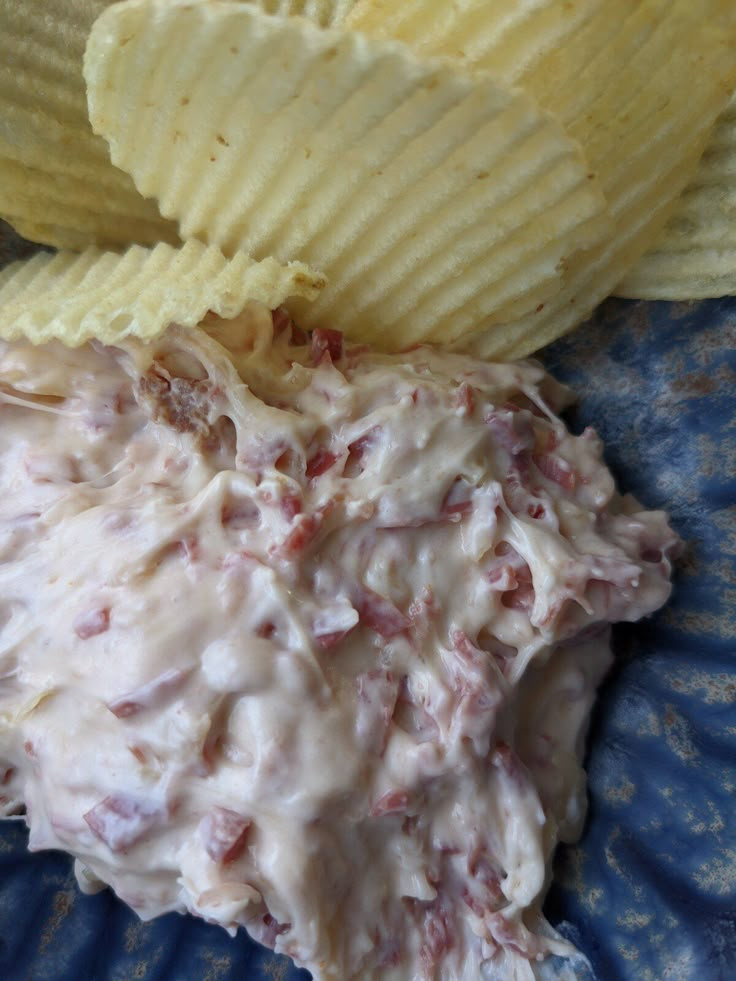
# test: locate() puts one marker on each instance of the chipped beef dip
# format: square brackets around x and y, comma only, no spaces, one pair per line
[304,638]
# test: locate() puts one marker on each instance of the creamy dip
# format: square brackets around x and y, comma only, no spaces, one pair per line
[304,638]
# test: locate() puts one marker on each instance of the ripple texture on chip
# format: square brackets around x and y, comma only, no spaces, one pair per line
[639,83]
[105,296]
[434,203]
[57,184]
[695,256]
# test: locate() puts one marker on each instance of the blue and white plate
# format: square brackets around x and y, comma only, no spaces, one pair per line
[650,892]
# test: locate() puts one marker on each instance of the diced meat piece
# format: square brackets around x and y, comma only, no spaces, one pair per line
[281,319]
[464,398]
[273,929]
[291,505]
[377,694]
[437,936]
[260,452]
[121,820]
[92,622]
[320,463]
[185,404]
[478,691]
[483,892]
[556,469]
[151,695]
[392,802]
[215,739]
[506,759]
[305,529]
[326,345]
[224,833]
[501,577]
[512,431]
[333,624]
[379,614]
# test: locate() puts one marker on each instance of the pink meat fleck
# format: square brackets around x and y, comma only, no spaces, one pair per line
[507,761]
[224,833]
[291,505]
[273,929]
[458,500]
[92,622]
[464,398]
[282,322]
[379,614]
[511,430]
[483,893]
[477,689]
[150,695]
[120,821]
[392,802]
[557,470]
[377,694]
[326,345]
[320,463]
[521,597]
[437,936]
[303,532]
[502,578]
[330,629]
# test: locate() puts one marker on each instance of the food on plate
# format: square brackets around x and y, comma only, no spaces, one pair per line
[695,257]
[300,635]
[620,76]
[303,637]
[57,184]
[434,203]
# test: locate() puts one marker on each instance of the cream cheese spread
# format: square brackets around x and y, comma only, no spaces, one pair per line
[304,638]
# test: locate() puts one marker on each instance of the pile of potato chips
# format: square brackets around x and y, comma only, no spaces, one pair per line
[478,173]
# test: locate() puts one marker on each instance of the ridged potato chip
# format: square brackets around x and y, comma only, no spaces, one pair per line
[498,36]
[57,179]
[695,256]
[105,296]
[64,211]
[433,203]
[326,13]
[639,83]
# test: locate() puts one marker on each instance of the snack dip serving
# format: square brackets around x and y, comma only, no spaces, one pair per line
[323,663]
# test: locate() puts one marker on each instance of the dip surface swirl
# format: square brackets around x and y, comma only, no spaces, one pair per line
[304,638]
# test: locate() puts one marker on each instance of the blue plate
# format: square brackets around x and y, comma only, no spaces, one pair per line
[650,892]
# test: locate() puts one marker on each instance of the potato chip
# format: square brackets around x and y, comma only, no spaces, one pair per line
[480,35]
[695,256]
[326,13]
[106,296]
[63,211]
[433,203]
[57,179]
[638,82]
